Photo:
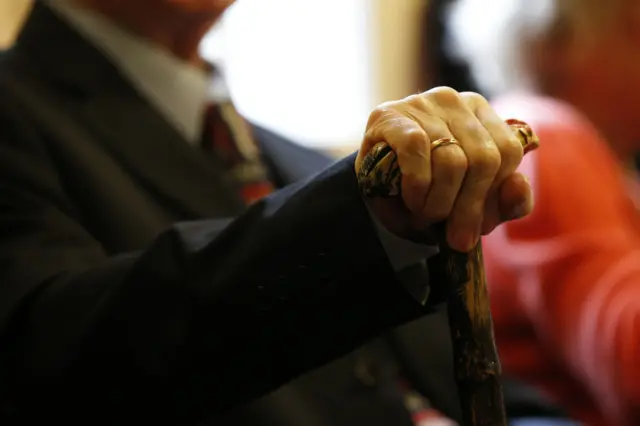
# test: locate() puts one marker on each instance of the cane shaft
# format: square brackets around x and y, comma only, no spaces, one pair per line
[476,362]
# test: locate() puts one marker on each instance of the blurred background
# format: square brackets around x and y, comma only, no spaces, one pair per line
[374,51]
[291,63]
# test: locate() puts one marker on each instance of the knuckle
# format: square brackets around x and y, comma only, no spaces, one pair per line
[383,111]
[473,98]
[443,96]
[388,105]
[485,160]
[469,125]
[417,101]
[415,139]
[378,113]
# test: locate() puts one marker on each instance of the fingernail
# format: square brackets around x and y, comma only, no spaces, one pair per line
[521,210]
[463,240]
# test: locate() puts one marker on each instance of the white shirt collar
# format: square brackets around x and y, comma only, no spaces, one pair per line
[178,90]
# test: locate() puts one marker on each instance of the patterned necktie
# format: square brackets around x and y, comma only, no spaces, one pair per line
[228,135]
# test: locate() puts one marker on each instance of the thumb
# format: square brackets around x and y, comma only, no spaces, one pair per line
[515,197]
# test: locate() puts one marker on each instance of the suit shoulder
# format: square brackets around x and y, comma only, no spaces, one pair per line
[297,161]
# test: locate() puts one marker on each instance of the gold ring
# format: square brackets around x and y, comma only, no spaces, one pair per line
[443,142]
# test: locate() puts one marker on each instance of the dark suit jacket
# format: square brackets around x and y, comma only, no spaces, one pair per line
[124,291]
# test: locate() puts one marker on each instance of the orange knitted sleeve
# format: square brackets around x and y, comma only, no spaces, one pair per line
[576,259]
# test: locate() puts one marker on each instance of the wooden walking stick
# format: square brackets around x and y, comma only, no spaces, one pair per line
[476,362]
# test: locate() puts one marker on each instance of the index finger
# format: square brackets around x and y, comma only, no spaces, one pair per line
[410,142]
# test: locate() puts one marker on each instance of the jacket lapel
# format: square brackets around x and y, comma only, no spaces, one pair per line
[288,161]
[188,180]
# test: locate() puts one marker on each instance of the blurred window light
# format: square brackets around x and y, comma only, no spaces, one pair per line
[299,67]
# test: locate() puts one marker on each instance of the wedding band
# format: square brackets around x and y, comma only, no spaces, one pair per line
[443,142]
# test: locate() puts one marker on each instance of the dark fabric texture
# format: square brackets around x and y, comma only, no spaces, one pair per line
[136,288]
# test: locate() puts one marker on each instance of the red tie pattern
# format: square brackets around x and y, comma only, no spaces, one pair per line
[230,137]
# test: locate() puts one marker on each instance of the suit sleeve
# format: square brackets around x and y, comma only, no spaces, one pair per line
[204,318]
[576,261]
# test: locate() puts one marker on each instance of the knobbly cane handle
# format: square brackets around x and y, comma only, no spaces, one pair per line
[476,362]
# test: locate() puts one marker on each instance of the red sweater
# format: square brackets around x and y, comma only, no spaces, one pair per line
[565,282]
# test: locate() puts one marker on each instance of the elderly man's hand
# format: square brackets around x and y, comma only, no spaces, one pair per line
[458,161]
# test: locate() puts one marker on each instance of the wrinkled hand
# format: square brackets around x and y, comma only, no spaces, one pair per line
[472,185]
